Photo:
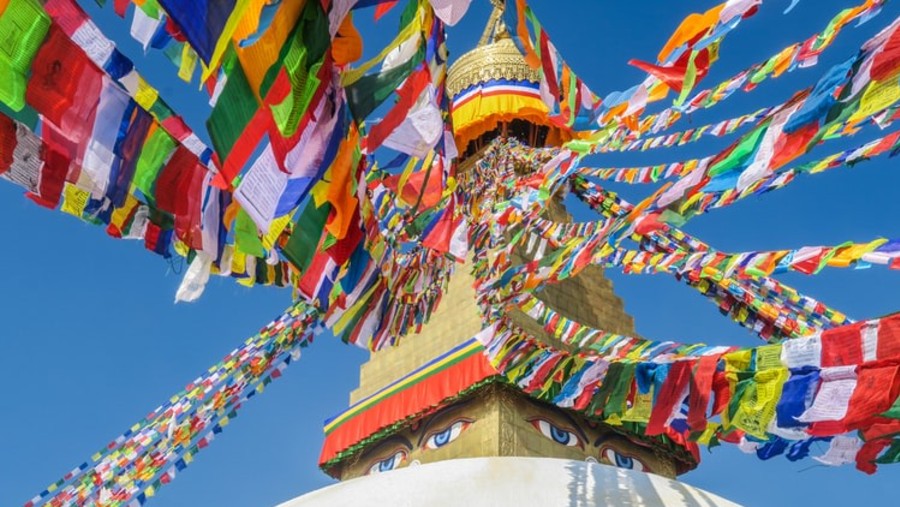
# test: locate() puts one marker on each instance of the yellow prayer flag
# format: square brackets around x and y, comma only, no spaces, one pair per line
[738,360]
[708,433]
[640,410]
[275,229]
[74,200]
[120,215]
[768,357]
[146,95]
[876,98]
[188,63]
[844,257]
[181,248]
[757,405]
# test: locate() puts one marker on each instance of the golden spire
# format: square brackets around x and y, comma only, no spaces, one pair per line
[495,26]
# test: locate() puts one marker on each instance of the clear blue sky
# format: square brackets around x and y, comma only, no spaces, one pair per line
[91,340]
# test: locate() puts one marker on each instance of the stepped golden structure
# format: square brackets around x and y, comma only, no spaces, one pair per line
[434,397]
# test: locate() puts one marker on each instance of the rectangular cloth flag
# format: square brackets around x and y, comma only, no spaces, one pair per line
[23,26]
[204,22]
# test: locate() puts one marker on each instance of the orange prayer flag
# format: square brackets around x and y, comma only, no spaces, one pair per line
[257,58]
[347,46]
[524,36]
[691,27]
[340,190]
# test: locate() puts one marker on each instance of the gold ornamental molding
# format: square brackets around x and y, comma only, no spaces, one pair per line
[498,60]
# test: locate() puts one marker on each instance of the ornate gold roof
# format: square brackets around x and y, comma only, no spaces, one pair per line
[500,59]
[497,58]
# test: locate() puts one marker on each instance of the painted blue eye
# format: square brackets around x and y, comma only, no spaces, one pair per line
[560,436]
[441,438]
[555,433]
[623,461]
[386,465]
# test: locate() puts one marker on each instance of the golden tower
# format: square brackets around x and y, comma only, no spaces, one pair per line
[434,397]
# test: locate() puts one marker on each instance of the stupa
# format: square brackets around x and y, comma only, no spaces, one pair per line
[434,405]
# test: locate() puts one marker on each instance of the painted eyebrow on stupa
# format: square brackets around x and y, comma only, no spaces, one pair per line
[558,411]
[396,439]
[609,436]
[440,413]
[602,438]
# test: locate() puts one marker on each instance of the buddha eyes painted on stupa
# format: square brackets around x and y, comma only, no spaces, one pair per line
[597,443]
[560,435]
[387,464]
[436,432]
[613,457]
[501,422]
[390,454]
[440,438]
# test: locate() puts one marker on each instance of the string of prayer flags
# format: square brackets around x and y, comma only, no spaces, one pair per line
[802,55]
[136,464]
[764,386]
[295,191]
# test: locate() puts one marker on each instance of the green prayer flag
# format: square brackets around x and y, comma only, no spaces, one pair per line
[302,61]
[894,411]
[161,111]
[892,455]
[23,26]
[27,115]
[234,109]
[246,236]
[744,149]
[161,219]
[370,91]
[157,149]
[615,406]
[302,245]
[606,388]
[151,8]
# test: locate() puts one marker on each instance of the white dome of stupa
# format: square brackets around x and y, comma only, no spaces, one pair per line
[509,481]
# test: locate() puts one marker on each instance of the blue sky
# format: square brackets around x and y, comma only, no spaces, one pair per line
[92,341]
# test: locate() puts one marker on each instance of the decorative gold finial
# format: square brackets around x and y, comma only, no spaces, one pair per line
[495,28]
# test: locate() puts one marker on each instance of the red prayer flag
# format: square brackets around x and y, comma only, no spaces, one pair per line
[7,142]
[677,380]
[865,458]
[842,346]
[889,338]
[887,61]
[673,75]
[53,178]
[701,388]
[65,85]
[383,8]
